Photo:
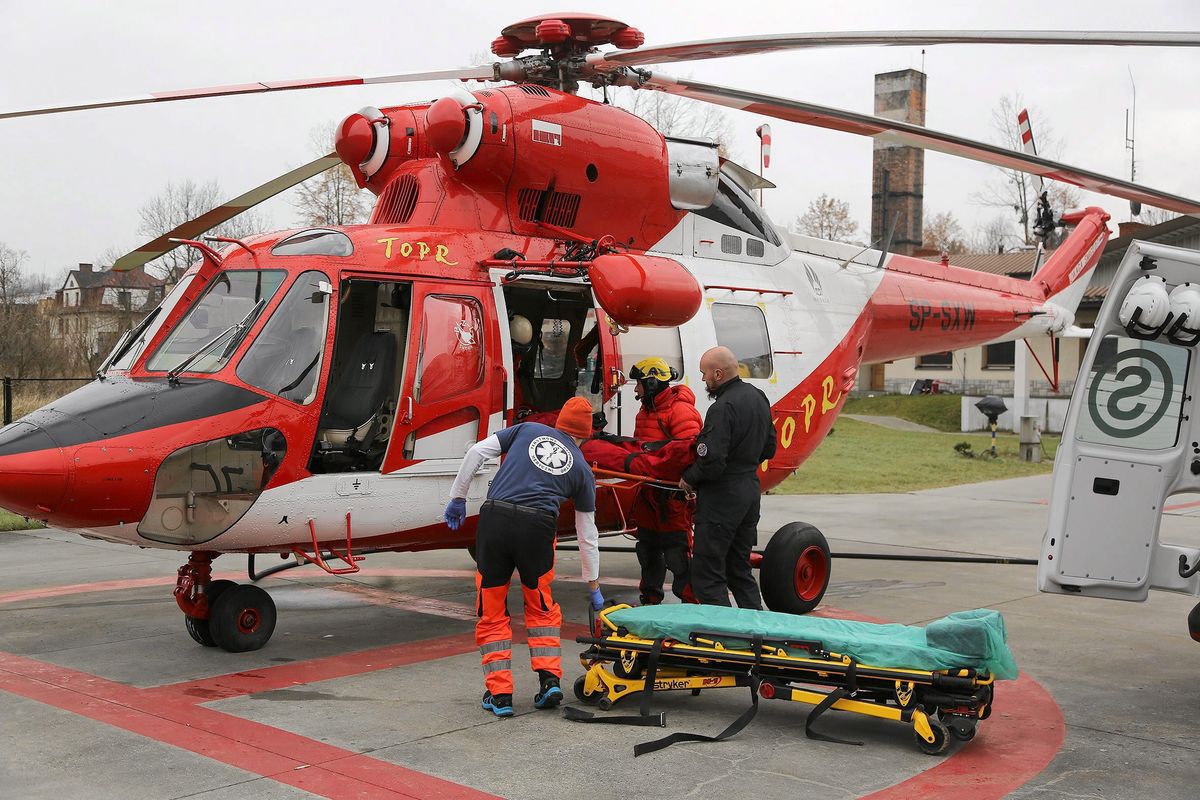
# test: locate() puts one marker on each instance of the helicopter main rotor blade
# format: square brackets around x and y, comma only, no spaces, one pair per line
[904,133]
[463,73]
[224,212]
[771,43]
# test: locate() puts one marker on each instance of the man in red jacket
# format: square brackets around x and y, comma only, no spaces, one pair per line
[663,517]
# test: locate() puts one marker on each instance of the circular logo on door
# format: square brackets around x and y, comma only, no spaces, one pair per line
[550,455]
[1128,401]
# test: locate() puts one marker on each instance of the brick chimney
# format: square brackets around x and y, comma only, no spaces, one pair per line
[85,267]
[898,172]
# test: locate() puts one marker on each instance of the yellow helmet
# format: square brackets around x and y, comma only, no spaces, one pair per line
[653,367]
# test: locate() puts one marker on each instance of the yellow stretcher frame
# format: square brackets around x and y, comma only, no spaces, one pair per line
[939,705]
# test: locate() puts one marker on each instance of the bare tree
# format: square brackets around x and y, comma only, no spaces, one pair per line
[12,281]
[183,201]
[673,115]
[827,218]
[1018,190]
[333,197]
[28,347]
[943,232]
[1156,216]
[995,237]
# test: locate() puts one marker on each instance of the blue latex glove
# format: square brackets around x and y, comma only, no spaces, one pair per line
[596,598]
[456,513]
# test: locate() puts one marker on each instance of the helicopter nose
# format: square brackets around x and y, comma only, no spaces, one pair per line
[33,470]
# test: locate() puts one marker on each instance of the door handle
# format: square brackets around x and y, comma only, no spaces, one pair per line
[406,414]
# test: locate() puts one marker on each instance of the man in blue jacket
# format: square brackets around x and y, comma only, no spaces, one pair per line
[516,531]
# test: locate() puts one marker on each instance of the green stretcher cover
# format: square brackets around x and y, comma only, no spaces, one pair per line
[964,639]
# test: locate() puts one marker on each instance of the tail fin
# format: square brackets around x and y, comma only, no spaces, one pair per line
[1065,271]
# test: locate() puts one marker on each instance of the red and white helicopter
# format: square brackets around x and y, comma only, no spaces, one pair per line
[312,392]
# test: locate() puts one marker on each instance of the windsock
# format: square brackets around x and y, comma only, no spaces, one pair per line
[764,133]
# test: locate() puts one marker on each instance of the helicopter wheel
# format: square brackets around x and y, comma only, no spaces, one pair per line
[198,628]
[242,619]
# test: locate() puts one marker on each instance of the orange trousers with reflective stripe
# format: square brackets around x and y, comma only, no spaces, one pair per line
[520,540]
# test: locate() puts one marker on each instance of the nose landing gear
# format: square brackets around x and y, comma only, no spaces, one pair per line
[235,617]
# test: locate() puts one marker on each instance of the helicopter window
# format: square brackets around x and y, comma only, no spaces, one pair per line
[552,355]
[743,329]
[451,356]
[315,242]
[225,302]
[734,208]
[1135,393]
[285,359]
[639,342]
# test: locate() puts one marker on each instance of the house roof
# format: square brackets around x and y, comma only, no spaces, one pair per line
[1017,262]
[1020,262]
[132,279]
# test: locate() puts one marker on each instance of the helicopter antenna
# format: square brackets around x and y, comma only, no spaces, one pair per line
[1135,207]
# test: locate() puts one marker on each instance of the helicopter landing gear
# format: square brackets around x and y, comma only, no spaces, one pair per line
[235,617]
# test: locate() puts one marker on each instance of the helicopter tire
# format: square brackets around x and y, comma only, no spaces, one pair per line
[242,619]
[198,628]
[795,569]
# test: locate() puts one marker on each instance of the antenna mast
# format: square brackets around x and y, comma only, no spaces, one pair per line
[1135,208]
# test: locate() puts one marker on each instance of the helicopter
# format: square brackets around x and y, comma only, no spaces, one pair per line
[311,392]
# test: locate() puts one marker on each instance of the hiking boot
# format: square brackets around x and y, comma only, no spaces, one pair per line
[500,704]
[551,694]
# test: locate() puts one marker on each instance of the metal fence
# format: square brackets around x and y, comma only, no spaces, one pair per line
[23,395]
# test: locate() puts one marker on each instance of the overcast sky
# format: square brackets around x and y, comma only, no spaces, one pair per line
[71,184]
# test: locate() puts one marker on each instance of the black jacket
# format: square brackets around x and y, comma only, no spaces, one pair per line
[738,435]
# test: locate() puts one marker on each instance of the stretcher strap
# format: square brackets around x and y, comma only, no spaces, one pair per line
[644,717]
[837,694]
[733,728]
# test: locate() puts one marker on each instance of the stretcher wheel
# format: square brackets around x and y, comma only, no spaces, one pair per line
[795,569]
[961,728]
[584,697]
[941,738]
[198,628]
[605,703]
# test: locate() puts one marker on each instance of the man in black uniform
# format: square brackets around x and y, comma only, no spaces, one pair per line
[738,436]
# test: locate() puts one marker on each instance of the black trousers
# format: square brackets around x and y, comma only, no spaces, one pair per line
[658,551]
[726,531]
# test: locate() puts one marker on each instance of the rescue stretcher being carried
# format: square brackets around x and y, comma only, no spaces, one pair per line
[939,679]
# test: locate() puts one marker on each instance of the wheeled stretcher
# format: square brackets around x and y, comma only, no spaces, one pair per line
[802,659]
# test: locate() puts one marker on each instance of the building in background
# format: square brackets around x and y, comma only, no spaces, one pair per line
[94,306]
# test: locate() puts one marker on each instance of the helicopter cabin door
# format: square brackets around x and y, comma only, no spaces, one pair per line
[451,396]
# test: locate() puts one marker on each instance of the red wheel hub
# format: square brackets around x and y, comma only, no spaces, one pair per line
[812,570]
[248,620]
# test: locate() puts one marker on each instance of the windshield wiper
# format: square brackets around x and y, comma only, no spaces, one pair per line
[126,342]
[241,329]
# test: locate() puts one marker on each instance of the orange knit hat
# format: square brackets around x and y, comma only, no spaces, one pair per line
[575,419]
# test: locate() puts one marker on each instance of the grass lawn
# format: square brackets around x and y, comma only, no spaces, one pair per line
[15,522]
[941,411]
[860,458]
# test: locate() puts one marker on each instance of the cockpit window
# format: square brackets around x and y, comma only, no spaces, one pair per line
[315,242]
[127,351]
[733,207]
[226,302]
[285,359]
